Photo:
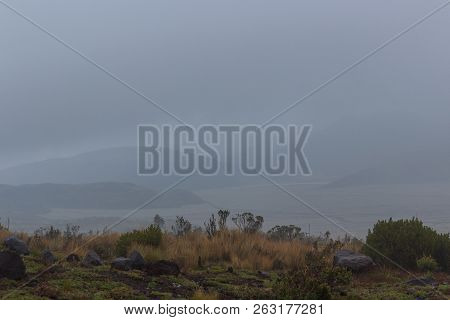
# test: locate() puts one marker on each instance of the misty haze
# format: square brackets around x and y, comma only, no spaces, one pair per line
[78,78]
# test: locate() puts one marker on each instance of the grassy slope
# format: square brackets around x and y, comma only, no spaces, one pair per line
[72,281]
[247,254]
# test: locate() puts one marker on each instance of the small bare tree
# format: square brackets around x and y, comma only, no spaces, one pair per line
[247,222]
[159,221]
[290,233]
[223,216]
[211,226]
[182,226]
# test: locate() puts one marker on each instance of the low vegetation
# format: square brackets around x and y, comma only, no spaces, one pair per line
[150,236]
[405,242]
[315,279]
[241,262]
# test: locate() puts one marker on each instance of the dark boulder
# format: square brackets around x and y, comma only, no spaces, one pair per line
[162,267]
[11,265]
[353,261]
[121,263]
[48,257]
[91,259]
[16,245]
[72,258]
[137,260]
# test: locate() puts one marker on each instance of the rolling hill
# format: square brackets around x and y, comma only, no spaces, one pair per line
[38,198]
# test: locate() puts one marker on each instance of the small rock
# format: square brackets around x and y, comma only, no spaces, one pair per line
[11,265]
[162,267]
[355,262]
[48,257]
[92,259]
[16,245]
[73,258]
[121,263]
[137,260]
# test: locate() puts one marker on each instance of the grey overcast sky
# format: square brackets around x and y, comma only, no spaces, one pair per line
[231,61]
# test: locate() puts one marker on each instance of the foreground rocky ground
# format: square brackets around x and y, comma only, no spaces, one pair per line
[76,280]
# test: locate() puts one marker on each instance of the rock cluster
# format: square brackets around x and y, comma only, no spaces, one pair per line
[13,267]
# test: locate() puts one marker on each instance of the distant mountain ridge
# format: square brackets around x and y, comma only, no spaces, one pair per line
[428,166]
[101,165]
[117,164]
[375,148]
[38,198]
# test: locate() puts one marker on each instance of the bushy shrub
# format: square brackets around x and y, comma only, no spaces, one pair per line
[72,233]
[223,217]
[316,279]
[427,264]
[290,233]
[182,226]
[211,226]
[150,236]
[247,222]
[47,233]
[405,241]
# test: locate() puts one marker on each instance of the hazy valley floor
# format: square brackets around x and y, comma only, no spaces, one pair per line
[352,208]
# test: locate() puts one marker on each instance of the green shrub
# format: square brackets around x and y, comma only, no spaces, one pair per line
[247,222]
[315,279]
[405,241]
[151,236]
[427,264]
[288,233]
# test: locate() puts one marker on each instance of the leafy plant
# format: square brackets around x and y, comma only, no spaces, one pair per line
[290,233]
[247,222]
[405,241]
[317,278]
[151,236]
[427,264]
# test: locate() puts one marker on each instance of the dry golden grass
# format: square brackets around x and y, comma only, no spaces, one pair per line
[203,295]
[234,248]
[229,248]
[103,244]
[4,234]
